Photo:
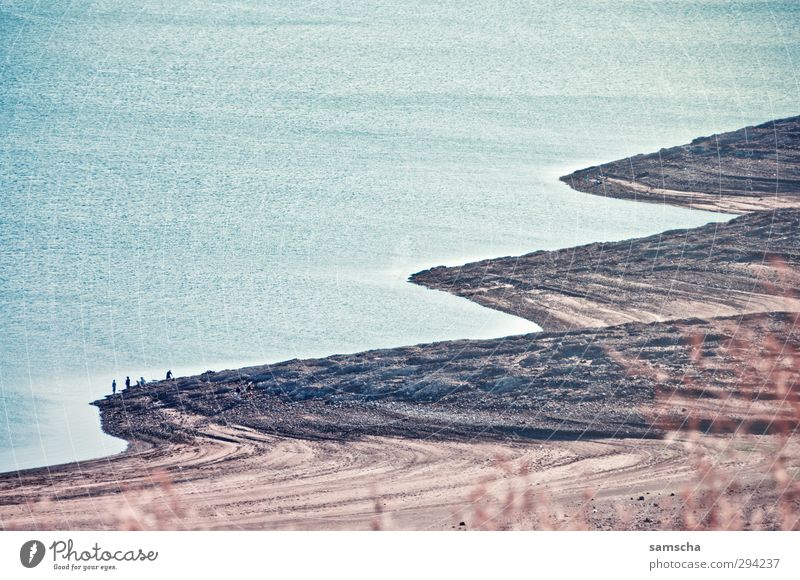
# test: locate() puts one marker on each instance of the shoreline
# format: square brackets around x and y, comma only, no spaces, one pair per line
[750,169]
[460,402]
[668,276]
[618,282]
[204,457]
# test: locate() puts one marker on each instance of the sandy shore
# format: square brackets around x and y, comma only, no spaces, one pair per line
[237,478]
[561,429]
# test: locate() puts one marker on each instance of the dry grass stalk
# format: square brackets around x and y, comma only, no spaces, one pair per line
[740,389]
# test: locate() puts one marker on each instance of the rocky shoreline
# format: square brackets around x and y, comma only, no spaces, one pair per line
[710,271]
[544,385]
[751,169]
[714,270]
[576,390]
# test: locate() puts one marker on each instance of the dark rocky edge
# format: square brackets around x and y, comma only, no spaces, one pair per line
[745,170]
[538,386]
[714,270]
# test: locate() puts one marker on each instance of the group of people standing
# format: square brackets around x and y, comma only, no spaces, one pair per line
[140,383]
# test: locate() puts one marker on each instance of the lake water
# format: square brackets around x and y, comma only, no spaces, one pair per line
[202,185]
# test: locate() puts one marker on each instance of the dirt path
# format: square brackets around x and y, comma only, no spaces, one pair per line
[238,479]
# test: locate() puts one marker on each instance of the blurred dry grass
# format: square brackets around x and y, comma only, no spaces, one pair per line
[741,397]
[152,504]
[737,400]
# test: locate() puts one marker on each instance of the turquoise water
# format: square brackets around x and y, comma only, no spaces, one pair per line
[201,185]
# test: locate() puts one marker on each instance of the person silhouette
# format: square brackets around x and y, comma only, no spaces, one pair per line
[114,387]
[127,382]
[169,375]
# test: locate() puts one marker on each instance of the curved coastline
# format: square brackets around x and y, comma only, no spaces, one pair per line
[452,406]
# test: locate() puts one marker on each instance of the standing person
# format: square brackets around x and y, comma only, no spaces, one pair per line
[114,387]
[127,382]
[169,375]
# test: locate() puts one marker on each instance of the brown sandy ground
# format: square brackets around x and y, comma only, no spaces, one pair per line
[237,479]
